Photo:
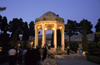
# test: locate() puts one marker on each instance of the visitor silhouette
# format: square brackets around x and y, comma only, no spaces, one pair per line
[44,53]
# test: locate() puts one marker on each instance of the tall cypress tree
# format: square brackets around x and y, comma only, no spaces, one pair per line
[58,38]
[52,40]
[97,29]
[25,32]
[85,28]
[14,40]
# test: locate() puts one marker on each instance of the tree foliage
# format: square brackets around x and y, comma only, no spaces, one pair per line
[71,28]
[31,29]
[58,38]
[25,32]
[14,40]
[4,37]
[52,40]
[74,46]
[97,29]
[85,28]
[2,8]
[14,25]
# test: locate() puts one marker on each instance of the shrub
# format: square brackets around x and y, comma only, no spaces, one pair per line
[58,50]
[92,47]
[95,59]
[74,46]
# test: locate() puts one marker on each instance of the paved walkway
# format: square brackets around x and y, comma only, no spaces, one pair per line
[68,62]
[75,62]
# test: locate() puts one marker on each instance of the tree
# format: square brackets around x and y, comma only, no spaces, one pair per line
[4,37]
[16,24]
[58,38]
[71,29]
[52,40]
[85,28]
[97,29]
[14,40]
[25,32]
[2,8]
[31,29]
[74,46]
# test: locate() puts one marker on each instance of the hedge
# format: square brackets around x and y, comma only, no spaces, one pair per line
[95,59]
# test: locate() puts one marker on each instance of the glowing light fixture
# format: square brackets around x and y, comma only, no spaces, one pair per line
[0,49]
[60,27]
[84,52]
[18,44]
[31,43]
[52,28]
[45,28]
[38,27]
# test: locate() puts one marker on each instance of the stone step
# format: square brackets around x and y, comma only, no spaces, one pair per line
[70,57]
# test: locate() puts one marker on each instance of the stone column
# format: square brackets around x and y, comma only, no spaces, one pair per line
[62,39]
[43,35]
[36,36]
[55,36]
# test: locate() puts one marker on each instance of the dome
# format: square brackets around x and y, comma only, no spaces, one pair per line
[49,16]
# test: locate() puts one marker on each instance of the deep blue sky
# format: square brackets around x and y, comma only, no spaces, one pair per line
[29,10]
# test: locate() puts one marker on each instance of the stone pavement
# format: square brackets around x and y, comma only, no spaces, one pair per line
[71,57]
[75,62]
[68,62]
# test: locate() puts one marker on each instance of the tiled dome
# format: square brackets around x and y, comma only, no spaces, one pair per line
[49,16]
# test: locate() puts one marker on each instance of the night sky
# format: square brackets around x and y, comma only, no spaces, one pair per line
[29,10]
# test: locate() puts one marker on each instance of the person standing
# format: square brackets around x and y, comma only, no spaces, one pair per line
[38,54]
[20,54]
[44,53]
[49,46]
[12,56]
[68,50]
[81,50]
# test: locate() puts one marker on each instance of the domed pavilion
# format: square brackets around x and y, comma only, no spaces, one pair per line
[49,21]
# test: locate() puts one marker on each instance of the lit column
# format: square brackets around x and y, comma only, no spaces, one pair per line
[36,36]
[55,36]
[62,39]
[43,35]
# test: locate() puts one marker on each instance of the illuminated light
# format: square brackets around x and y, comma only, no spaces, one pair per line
[38,27]
[0,49]
[18,44]
[31,43]
[84,52]
[53,28]
[60,27]
[45,28]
